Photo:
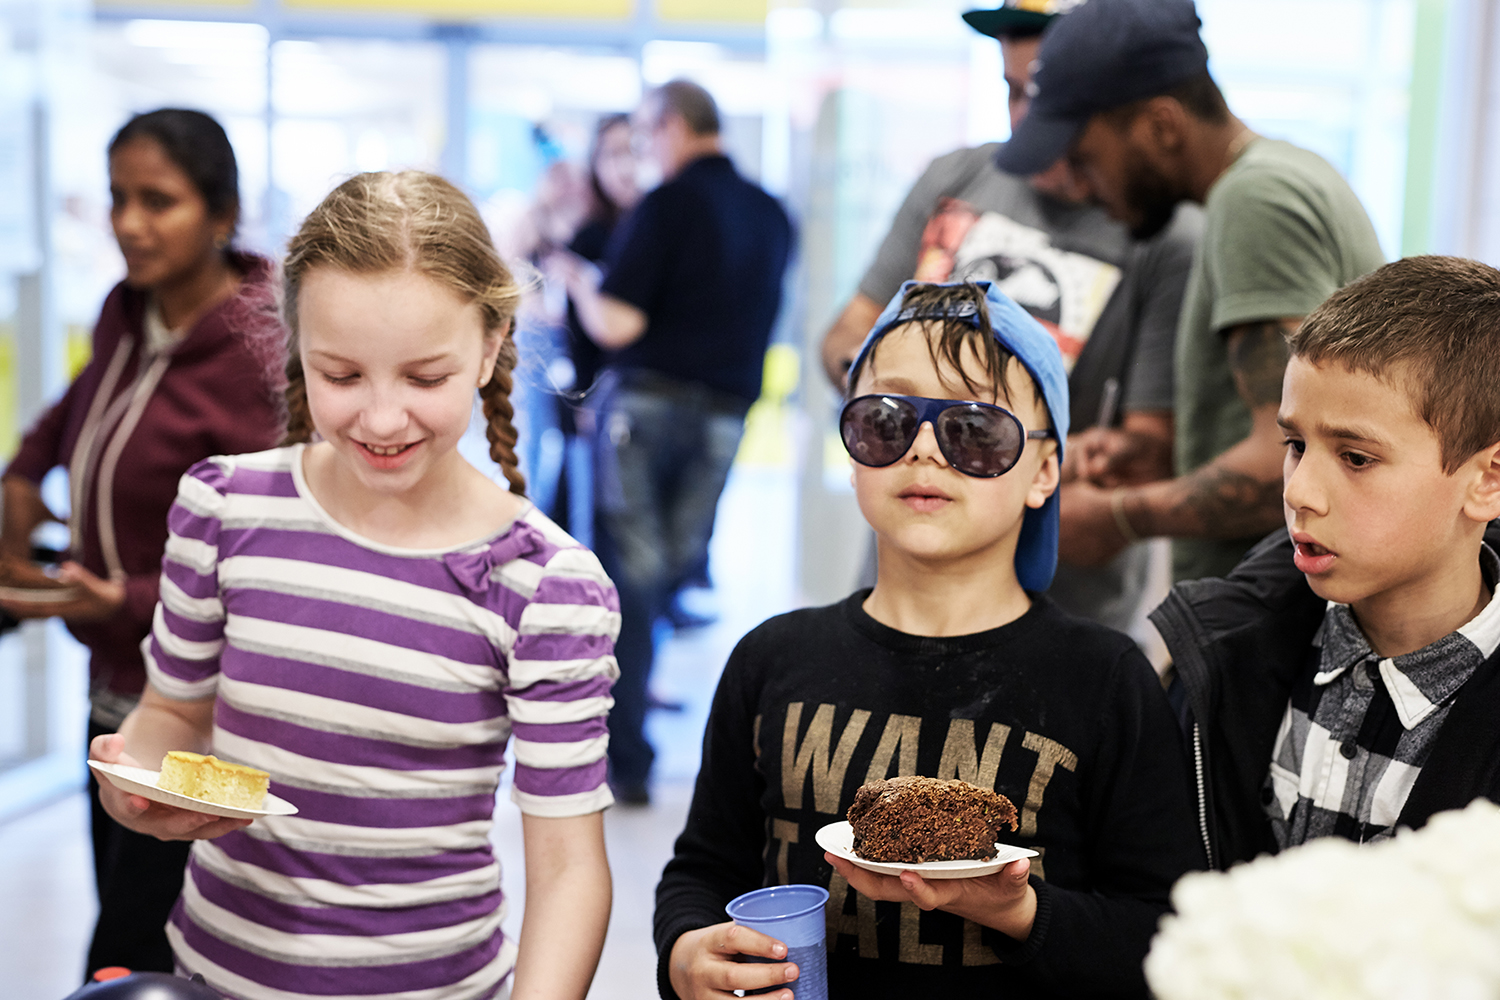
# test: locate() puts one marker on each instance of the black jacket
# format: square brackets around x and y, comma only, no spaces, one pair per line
[1238,644]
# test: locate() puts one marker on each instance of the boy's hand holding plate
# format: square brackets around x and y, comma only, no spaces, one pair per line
[1000,896]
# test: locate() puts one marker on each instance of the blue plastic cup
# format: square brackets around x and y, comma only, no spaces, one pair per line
[793,915]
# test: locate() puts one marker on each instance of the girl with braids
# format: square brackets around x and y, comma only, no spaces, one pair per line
[369,618]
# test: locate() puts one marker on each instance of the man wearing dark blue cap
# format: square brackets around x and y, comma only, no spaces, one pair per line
[1111,303]
[1122,88]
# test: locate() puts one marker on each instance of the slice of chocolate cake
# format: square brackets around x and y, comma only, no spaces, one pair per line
[912,820]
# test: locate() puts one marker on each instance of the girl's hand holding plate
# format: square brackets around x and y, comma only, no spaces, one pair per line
[155,819]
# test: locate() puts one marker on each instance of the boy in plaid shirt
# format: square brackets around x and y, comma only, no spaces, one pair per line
[1343,681]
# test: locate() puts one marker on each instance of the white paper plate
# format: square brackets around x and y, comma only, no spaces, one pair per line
[38,595]
[838,839]
[139,781]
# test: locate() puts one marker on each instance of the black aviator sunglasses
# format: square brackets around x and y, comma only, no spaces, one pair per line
[977,439]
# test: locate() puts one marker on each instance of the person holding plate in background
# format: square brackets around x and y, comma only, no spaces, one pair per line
[184,356]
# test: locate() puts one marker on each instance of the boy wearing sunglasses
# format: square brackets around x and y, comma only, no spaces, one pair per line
[954,666]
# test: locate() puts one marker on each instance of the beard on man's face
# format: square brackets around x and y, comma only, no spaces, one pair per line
[1150,197]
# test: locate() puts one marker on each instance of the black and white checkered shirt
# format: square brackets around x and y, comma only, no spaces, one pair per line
[1358,728]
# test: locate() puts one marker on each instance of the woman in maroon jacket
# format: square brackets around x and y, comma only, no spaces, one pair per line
[182,368]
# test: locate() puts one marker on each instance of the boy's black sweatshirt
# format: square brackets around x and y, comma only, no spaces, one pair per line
[1063,716]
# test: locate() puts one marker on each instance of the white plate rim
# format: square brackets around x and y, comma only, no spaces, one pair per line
[139,781]
[38,595]
[838,839]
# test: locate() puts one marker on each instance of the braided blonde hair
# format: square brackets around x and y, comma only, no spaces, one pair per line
[418,222]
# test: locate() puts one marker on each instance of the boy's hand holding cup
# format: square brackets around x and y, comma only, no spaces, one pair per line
[775,938]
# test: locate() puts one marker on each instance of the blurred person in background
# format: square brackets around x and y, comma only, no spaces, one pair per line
[527,240]
[613,190]
[690,290]
[1111,303]
[615,185]
[182,368]
[1123,90]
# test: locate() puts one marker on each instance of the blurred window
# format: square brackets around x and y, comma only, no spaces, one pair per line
[342,106]
[1330,75]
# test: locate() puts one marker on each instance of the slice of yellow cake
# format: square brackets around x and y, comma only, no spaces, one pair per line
[213,780]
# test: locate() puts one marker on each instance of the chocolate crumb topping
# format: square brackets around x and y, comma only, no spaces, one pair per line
[911,820]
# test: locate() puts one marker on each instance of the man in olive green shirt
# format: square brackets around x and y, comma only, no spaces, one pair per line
[1123,87]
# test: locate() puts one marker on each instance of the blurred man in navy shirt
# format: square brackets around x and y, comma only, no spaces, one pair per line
[691,287]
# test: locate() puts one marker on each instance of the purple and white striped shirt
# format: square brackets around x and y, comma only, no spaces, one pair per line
[378,686]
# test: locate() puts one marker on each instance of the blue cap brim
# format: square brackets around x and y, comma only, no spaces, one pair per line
[1037,143]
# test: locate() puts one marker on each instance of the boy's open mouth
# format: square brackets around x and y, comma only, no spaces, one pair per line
[1310,557]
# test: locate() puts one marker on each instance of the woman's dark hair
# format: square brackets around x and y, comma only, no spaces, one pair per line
[605,209]
[198,146]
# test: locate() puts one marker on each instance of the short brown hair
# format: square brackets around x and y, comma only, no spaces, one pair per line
[947,333]
[1430,325]
[409,221]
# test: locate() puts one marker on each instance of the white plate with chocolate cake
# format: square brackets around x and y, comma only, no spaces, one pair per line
[210,777]
[937,828]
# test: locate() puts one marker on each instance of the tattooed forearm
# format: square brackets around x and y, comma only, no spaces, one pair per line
[1214,502]
[1257,357]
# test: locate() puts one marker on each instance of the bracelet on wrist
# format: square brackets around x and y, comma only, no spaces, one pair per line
[1122,523]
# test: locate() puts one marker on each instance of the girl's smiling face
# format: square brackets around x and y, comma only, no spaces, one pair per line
[922,508]
[392,362]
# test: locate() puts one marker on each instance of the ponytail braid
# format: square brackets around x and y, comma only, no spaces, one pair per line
[499,413]
[299,425]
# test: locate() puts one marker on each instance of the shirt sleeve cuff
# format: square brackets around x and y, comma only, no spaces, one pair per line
[142,591]
[25,466]
[562,806]
[663,963]
[1013,952]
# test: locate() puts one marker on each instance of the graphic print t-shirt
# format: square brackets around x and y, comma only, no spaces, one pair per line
[1065,290]
[1062,716]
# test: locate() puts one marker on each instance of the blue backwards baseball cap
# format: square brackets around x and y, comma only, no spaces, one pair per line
[1104,54]
[1020,334]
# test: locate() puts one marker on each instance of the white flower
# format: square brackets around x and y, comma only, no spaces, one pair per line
[1416,917]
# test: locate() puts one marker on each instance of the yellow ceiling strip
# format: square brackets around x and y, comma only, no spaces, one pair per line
[610,9]
[185,5]
[721,11]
